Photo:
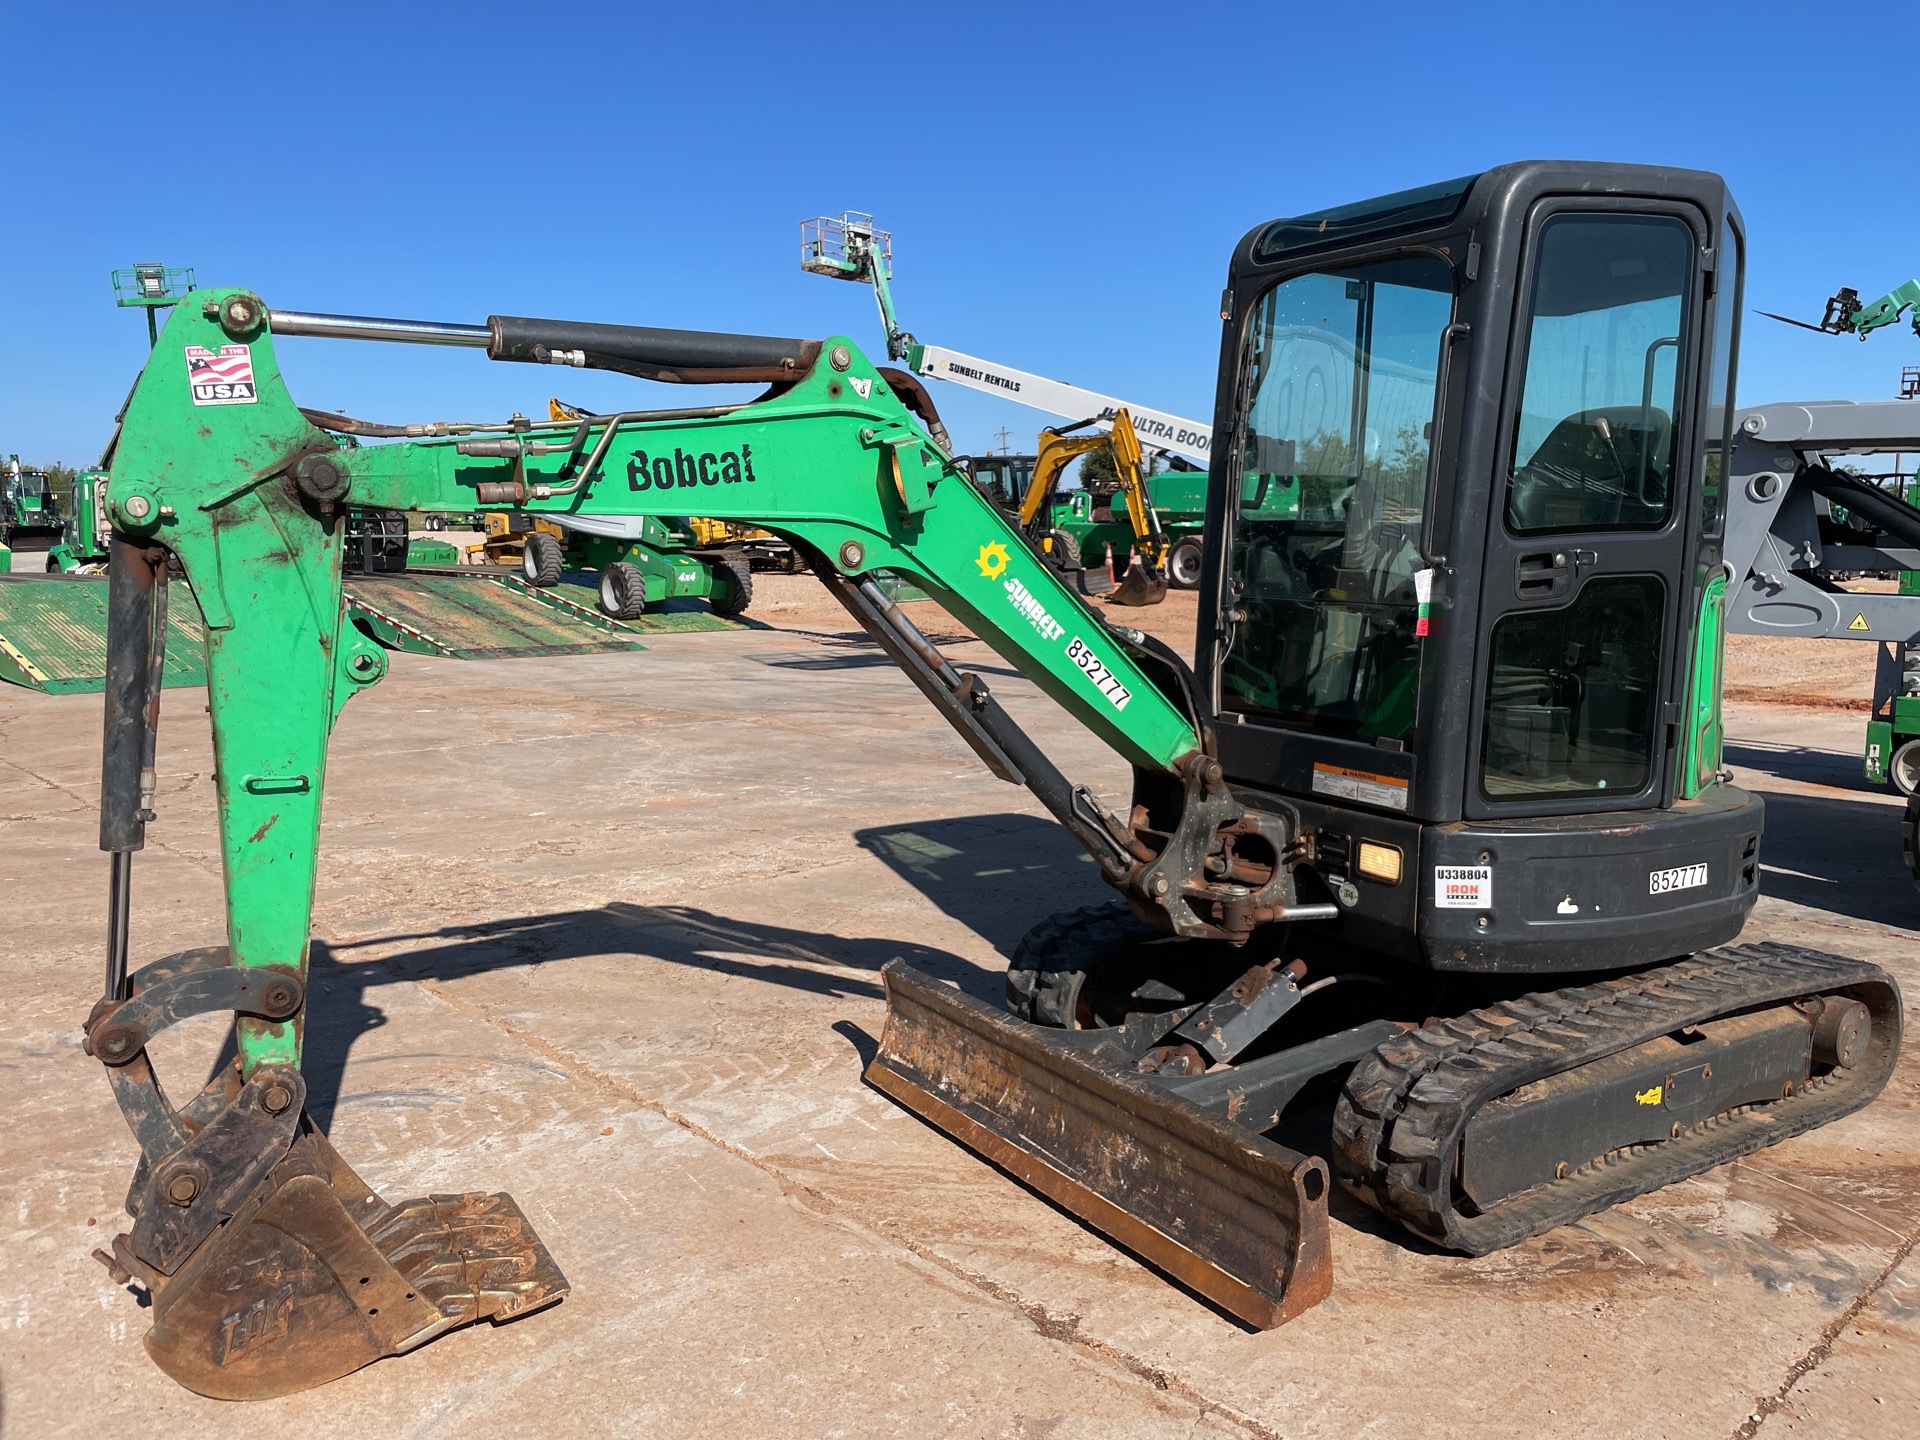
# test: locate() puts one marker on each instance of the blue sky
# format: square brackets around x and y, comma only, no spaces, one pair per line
[1064,183]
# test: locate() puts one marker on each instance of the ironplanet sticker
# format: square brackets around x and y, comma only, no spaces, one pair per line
[1387,791]
[1463,887]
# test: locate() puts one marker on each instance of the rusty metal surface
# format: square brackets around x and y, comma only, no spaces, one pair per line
[1239,1219]
[1140,586]
[315,1277]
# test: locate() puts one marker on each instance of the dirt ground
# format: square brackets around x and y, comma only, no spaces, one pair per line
[1817,674]
[603,931]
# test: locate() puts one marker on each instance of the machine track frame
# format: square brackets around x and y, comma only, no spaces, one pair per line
[1405,1108]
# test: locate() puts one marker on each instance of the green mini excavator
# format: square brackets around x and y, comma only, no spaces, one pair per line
[1432,832]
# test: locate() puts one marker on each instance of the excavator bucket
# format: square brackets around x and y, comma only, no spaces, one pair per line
[1089,583]
[313,1276]
[1141,585]
[1213,1204]
[270,1265]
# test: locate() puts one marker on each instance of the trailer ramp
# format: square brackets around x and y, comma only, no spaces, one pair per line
[484,616]
[53,634]
[474,613]
[53,629]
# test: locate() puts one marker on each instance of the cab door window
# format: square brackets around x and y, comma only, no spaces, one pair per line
[1594,440]
[1590,561]
[1342,370]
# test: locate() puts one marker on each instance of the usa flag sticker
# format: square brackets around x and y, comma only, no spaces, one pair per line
[223,379]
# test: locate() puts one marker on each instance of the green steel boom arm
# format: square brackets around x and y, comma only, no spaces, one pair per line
[235,480]
[1887,310]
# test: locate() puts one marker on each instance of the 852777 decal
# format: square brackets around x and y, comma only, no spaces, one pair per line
[1096,670]
[222,379]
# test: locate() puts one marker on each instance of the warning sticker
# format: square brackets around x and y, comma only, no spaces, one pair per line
[1386,791]
[1463,887]
[223,379]
[1859,622]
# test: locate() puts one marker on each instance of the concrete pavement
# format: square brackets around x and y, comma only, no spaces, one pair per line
[605,932]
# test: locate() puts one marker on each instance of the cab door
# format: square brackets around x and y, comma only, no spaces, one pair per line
[1586,571]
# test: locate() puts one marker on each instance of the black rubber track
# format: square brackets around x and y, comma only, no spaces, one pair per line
[1051,963]
[1910,836]
[1399,1121]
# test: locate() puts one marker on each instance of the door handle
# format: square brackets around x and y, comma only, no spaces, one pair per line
[1543,574]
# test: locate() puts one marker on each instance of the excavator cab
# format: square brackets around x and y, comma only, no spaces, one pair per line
[1003,479]
[1470,648]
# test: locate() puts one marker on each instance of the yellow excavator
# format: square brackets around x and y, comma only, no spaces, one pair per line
[1063,530]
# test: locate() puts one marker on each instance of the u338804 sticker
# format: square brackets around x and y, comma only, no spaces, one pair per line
[1463,887]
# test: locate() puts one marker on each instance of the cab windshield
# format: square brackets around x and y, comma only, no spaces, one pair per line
[1343,368]
[1003,479]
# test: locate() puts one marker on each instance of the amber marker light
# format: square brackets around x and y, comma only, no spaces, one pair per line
[1380,862]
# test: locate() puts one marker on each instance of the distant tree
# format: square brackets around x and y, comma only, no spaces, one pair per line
[1097,469]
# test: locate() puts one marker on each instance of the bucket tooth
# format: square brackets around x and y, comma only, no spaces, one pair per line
[1228,1213]
[314,1276]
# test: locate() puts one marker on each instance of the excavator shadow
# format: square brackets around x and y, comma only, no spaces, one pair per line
[1800,763]
[999,875]
[341,1009]
[1838,851]
[1840,855]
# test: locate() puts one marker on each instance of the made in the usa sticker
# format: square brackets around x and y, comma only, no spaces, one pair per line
[222,379]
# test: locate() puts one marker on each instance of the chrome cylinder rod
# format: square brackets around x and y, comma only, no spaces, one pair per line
[119,922]
[367,327]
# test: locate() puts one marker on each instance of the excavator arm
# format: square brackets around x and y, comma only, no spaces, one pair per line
[218,470]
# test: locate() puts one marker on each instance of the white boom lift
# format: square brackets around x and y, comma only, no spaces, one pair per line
[850,248]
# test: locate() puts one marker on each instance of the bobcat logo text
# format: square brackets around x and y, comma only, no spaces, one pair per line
[685,469]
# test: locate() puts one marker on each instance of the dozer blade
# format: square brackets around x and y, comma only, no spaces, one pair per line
[1139,586]
[313,1276]
[1228,1213]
